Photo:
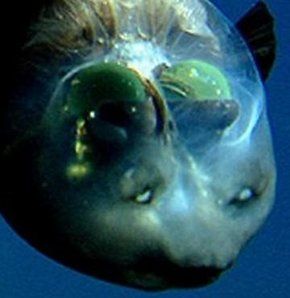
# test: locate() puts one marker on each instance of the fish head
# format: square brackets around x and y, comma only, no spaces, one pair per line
[141,154]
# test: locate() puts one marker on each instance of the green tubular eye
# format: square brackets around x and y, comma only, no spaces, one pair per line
[94,85]
[197,80]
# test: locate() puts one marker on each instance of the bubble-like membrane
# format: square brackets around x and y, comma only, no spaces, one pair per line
[184,30]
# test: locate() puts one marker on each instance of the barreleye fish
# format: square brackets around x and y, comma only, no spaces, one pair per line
[135,142]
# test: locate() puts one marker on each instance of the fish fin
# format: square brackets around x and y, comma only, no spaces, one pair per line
[257,28]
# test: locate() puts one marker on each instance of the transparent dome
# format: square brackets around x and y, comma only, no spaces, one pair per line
[194,56]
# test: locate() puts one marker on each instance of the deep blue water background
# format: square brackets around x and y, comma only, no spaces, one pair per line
[263,269]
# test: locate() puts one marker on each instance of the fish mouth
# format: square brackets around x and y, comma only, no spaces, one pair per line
[165,275]
[153,274]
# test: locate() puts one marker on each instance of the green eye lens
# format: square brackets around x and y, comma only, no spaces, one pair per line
[197,80]
[103,82]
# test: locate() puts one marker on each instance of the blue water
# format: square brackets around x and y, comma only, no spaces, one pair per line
[263,269]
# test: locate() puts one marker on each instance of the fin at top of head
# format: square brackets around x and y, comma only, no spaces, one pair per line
[257,28]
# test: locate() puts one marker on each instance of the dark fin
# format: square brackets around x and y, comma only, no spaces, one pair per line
[257,28]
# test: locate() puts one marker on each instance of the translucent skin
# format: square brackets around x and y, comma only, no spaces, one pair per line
[146,193]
